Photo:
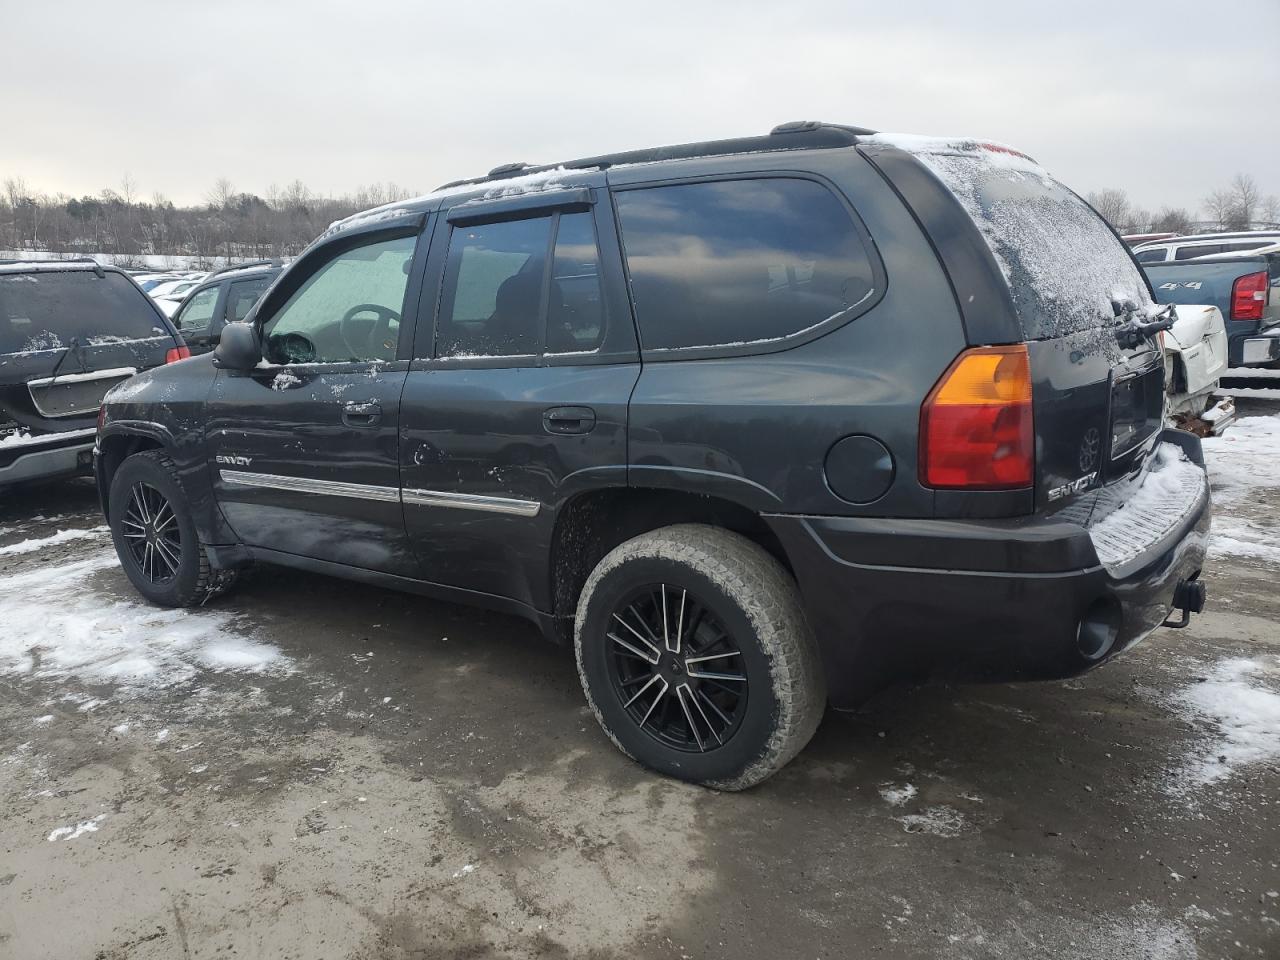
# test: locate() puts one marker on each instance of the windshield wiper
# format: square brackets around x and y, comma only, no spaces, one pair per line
[73,345]
[1133,326]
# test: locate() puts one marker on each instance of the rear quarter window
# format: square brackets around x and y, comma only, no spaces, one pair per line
[740,263]
[47,310]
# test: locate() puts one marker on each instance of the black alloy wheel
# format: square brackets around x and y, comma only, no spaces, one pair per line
[677,670]
[152,534]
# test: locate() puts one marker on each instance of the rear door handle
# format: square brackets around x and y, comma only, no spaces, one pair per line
[569,420]
[361,414]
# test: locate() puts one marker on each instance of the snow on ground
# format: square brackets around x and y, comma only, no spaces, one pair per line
[81,828]
[1240,701]
[940,821]
[1242,462]
[1247,539]
[39,543]
[1244,458]
[897,796]
[1237,705]
[57,625]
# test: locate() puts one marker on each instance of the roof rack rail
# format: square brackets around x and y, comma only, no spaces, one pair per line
[35,262]
[45,260]
[794,135]
[273,262]
[507,169]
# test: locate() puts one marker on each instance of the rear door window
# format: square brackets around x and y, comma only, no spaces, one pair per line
[575,308]
[242,295]
[491,301]
[1150,256]
[47,310]
[736,263]
[1198,250]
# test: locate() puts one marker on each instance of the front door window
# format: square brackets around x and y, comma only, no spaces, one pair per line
[196,315]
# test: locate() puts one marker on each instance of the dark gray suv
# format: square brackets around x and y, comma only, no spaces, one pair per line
[69,331]
[756,425]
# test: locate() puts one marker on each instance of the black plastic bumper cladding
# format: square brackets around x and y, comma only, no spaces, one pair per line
[983,599]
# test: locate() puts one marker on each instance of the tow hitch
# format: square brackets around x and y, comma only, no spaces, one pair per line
[1188,597]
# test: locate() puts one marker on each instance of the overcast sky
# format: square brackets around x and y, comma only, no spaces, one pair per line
[1165,100]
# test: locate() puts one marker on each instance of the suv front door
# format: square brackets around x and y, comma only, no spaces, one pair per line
[199,316]
[303,448]
[521,401]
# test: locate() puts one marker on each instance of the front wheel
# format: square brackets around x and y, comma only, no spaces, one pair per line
[696,658]
[155,536]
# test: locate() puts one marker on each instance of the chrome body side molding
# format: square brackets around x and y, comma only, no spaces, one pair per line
[469,501]
[331,488]
[361,491]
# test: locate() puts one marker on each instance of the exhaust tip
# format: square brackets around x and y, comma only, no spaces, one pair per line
[1098,630]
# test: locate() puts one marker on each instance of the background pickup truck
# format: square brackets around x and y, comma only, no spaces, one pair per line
[1245,286]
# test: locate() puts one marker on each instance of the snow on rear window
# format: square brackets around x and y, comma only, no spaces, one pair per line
[1063,264]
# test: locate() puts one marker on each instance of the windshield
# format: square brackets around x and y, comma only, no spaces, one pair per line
[46,311]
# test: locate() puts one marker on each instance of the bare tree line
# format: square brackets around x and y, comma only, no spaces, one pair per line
[234,224]
[229,224]
[1238,206]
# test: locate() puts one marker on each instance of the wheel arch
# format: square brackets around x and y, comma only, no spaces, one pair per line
[592,523]
[114,447]
[121,440]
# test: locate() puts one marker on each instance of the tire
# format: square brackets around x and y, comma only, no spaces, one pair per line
[176,571]
[714,583]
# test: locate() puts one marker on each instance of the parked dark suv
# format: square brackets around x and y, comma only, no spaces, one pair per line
[225,296]
[757,424]
[69,330]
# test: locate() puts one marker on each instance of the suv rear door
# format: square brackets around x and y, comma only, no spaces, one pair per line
[303,448]
[525,359]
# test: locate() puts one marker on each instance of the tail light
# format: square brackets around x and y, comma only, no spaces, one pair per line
[102,416]
[1249,296]
[177,353]
[976,426]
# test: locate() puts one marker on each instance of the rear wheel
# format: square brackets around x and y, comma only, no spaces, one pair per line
[155,537]
[696,658]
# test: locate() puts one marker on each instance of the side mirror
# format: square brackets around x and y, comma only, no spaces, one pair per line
[238,347]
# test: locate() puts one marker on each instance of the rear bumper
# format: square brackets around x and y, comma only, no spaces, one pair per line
[993,599]
[45,461]
[1254,349]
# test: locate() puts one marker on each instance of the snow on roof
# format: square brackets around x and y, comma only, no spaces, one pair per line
[50,266]
[996,154]
[540,182]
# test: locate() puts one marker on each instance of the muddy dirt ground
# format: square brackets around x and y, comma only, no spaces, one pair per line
[315,769]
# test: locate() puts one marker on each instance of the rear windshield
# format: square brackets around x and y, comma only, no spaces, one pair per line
[46,311]
[1063,263]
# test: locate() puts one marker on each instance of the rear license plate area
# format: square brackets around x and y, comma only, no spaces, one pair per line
[1137,409]
[74,396]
